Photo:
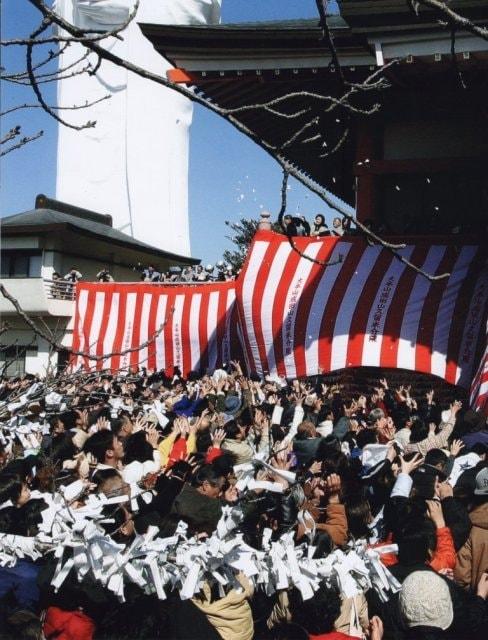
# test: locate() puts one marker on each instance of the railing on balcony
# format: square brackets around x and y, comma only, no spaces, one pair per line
[64,290]
[59,289]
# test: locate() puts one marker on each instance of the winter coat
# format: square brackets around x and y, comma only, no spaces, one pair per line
[281,613]
[241,449]
[444,555]
[21,581]
[334,523]
[476,437]
[434,440]
[68,625]
[172,450]
[306,449]
[472,559]
[231,615]
[457,519]
[200,512]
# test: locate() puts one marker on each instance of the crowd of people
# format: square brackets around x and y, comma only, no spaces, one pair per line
[63,287]
[297,225]
[198,273]
[226,506]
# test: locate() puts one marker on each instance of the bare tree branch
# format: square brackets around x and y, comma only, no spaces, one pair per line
[453,17]
[22,142]
[23,78]
[80,36]
[328,38]
[38,106]
[374,82]
[13,133]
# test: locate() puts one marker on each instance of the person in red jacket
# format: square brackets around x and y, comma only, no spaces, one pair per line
[68,625]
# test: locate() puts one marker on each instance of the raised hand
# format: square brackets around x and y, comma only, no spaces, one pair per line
[333,487]
[455,407]
[456,447]
[102,423]
[434,511]
[218,437]
[411,465]
[315,468]
[375,628]
[152,436]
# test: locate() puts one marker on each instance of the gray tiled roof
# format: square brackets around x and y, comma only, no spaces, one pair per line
[48,217]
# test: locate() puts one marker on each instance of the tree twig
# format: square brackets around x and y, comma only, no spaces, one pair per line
[22,142]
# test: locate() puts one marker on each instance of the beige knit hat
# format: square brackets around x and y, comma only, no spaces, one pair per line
[425,601]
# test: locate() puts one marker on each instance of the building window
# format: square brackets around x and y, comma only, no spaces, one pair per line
[63,360]
[12,359]
[21,264]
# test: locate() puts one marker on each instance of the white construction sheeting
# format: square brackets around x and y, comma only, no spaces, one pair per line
[134,163]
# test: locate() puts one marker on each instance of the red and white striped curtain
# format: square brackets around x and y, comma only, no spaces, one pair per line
[199,325]
[366,308]
[294,317]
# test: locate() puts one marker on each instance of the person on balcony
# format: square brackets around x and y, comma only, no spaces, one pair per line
[150,274]
[319,229]
[104,276]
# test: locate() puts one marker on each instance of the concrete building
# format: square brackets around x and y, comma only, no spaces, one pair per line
[54,238]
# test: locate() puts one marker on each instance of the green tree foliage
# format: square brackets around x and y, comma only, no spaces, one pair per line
[243,232]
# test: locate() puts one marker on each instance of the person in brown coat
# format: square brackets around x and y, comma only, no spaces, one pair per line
[472,560]
[325,507]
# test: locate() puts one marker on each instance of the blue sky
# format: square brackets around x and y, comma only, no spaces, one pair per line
[224,165]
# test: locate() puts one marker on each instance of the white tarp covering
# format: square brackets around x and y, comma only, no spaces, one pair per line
[134,163]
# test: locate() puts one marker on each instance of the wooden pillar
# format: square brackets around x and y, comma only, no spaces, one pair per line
[366,183]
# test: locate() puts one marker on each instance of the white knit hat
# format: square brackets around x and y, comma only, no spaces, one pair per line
[425,601]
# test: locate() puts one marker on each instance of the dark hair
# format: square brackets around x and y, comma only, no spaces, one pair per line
[99,443]
[23,623]
[231,429]
[10,487]
[204,440]
[479,448]
[374,416]
[323,544]
[29,517]
[366,436]
[288,631]
[435,457]
[245,418]
[137,448]
[358,512]
[418,431]
[102,475]
[68,418]
[115,518]
[207,473]
[62,447]
[21,467]
[8,519]
[317,614]
[319,215]
[116,425]
[224,464]
[416,538]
